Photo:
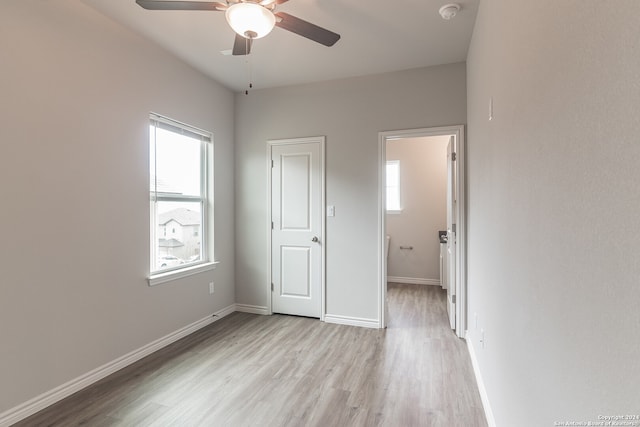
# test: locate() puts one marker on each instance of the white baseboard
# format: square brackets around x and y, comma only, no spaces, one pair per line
[223,313]
[481,388]
[352,321]
[253,309]
[50,397]
[414,280]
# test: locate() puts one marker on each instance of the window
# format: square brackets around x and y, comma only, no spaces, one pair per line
[180,170]
[393,186]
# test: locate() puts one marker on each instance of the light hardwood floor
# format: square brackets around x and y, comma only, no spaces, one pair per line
[250,370]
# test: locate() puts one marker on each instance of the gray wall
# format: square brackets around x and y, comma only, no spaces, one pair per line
[350,113]
[554,192]
[423,184]
[77,90]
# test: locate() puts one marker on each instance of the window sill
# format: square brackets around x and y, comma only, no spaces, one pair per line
[169,276]
[394,211]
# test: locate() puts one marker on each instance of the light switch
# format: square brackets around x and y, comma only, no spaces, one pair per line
[331,210]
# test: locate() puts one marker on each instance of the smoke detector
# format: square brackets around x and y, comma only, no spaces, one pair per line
[448,11]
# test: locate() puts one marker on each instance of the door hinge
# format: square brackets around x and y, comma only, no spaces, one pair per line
[453,298]
[271,163]
[272,225]
[271,286]
[453,157]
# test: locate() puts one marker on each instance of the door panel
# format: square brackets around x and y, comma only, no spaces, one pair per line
[296,214]
[295,270]
[451,233]
[295,171]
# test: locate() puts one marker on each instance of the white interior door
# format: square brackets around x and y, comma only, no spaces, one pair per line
[297,219]
[451,232]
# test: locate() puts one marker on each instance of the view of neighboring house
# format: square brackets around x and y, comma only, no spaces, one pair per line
[179,234]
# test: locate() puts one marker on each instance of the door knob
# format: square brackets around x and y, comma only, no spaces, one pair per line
[315,239]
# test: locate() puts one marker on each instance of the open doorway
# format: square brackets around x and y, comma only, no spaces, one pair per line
[434,156]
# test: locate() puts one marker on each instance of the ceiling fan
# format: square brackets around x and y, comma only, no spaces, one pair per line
[250,19]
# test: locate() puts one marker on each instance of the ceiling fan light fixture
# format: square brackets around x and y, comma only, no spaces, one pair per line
[250,20]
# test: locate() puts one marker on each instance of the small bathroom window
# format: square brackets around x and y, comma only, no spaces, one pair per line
[393,186]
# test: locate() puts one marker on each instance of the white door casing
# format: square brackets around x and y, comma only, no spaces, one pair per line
[459,273]
[297,226]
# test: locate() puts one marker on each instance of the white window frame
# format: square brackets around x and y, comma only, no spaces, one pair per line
[387,186]
[205,198]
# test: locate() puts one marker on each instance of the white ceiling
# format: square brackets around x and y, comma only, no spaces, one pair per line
[377,37]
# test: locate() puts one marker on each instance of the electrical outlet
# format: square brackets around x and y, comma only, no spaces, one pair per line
[211,287]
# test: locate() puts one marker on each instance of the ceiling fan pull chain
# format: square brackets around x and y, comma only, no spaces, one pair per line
[250,68]
[248,62]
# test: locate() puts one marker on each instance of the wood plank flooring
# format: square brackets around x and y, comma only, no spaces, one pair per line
[251,370]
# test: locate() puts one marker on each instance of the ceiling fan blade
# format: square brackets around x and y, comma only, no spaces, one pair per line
[306,29]
[268,2]
[181,5]
[241,46]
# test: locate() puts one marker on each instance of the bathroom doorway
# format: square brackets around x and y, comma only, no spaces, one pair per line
[421,202]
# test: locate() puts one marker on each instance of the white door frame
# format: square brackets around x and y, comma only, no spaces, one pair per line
[270,143]
[461,273]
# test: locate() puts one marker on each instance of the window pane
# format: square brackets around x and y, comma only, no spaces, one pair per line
[178,236]
[393,185]
[177,163]
[393,198]
[179,159]
[392,174]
